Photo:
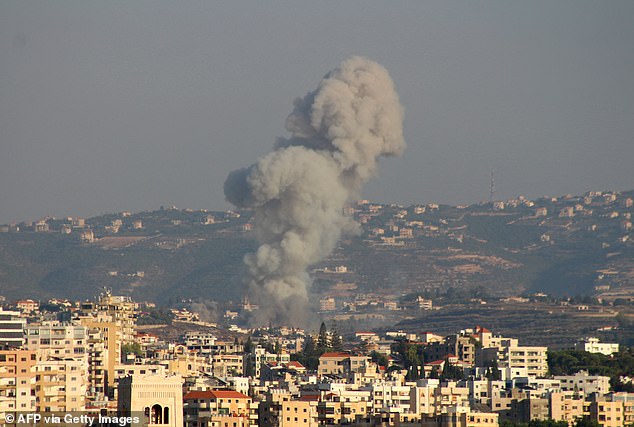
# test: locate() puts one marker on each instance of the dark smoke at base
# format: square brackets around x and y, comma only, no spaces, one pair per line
[298,191]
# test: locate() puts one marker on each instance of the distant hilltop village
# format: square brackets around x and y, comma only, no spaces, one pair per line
[570,246]
[109,356]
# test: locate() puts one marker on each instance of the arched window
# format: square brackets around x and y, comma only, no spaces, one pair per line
[157,414]
[166,415]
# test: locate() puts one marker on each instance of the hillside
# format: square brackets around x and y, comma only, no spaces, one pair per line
[569,245]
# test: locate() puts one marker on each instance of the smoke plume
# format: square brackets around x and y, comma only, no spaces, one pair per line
[298,191]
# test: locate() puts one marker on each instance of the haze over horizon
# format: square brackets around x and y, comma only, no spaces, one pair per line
[118,106]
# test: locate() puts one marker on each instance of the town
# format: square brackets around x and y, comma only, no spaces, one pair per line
[95,357]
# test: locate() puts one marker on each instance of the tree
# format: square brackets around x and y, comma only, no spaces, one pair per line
[547,423]
[269,347]
[336,343]
[248,346]
[309,357]
[451,372]
[131,348]
[493,371]
[322,339]
[586,422]
[412,373]
[378,358]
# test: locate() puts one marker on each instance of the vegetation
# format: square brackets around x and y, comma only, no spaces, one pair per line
[568,362]
[379,359]
[326,341]
[451,372]
[157,316]
[130,348]
[182,258]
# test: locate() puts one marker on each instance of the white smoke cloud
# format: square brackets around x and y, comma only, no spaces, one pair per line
[298,191]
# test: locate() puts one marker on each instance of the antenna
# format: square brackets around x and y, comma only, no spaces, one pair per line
[492,188]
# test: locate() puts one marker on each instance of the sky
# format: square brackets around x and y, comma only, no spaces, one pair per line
[118,105]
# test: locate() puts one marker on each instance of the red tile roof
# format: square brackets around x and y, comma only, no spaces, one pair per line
[309,398]
[335,354]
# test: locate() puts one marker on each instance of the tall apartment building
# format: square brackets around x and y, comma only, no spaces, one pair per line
[96,349]
[514,360]
[17,381]
[104,348]
[62,372]
[61,384]
[53,339]
[11,329]
[123,311]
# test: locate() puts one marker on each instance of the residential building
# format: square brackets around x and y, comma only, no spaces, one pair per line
[123,311]
[344,407]
[592,345]
[341,363]
[457,418]
[218,408]
[54,339]
[17,381]
[566,407]
[607,414]
[279,409]
[584,384]
[11,328]
[27,305]
[61,385]
[104,350]
[259,355]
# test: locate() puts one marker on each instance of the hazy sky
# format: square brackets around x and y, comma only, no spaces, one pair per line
[118,105]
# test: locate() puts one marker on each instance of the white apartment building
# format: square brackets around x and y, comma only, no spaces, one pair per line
[592,345]
[390,398]
[53,339]
[584,384]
